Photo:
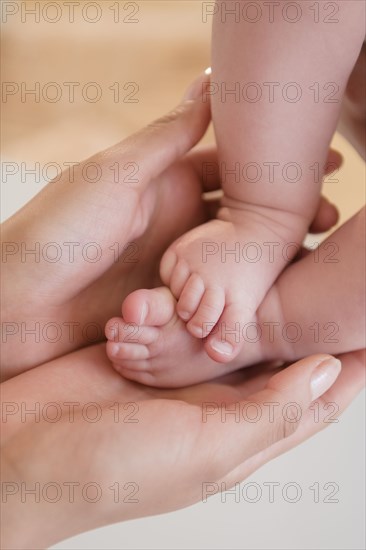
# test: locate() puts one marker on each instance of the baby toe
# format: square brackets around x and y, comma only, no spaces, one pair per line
[207,314]
[122,352]
[190,297]
[224,344]
[154,307]
[179,278]
[167,265]
[118,331]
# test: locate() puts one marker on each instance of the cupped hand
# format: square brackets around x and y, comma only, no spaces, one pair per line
[141,451]
[98,241]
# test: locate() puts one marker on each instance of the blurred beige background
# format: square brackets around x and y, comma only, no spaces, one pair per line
[158,47]
[161,53]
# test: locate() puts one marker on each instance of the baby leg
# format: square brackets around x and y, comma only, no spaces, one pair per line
[316,306]
[318,303]
[272,151]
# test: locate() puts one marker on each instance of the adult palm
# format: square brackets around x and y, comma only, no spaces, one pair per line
[143,451]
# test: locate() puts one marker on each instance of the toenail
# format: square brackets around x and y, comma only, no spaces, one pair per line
[184,315]
[222,347]
[143,315]
[196,331]
[114,349]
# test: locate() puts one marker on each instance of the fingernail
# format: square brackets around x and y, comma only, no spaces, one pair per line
[222,347]
[324,376]
[144,310]
[195,90]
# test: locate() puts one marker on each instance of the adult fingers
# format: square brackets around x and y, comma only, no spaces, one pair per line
[349,383]
[205,163]
[334,162]
[327,214]
[154,148]
[250,426]
[326,217]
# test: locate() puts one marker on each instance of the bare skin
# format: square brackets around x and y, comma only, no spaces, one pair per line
[152,357]
[187,451]
[158,351]
[204,269]
[132,223]
[171,446]
[353,114]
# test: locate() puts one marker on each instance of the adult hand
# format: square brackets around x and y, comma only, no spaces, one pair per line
[141,451]
[145,196]
[98,241]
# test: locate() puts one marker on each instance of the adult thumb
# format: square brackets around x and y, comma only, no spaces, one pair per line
[247,427]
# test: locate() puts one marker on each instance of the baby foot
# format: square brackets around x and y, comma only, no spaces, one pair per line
[220,272]
[150,344]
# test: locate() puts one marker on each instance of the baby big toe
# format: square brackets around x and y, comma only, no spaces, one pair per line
[207,314]
[154,306]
